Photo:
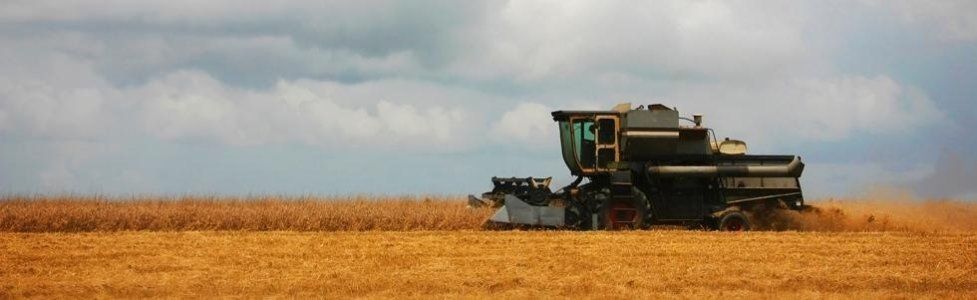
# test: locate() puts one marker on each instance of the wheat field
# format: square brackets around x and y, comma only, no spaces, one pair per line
[94,213]
[422,247]
[478,264]
[406,213]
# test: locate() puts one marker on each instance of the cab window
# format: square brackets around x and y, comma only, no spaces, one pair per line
[608,132]
[584,135]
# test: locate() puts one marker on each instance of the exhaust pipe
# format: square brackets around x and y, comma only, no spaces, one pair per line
[792,169]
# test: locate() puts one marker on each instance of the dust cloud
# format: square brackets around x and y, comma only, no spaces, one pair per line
[880,210]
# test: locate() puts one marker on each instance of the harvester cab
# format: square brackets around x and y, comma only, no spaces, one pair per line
[643,168]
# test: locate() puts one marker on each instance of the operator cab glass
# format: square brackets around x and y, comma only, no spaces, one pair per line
[566,142]
[578,138]
[589,140]
[585,138]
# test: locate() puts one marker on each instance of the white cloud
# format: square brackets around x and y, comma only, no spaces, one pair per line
[834,108]
[809,110]
[192,105]
[316,119]
[955,20]
[773,115]
[40,110]
[526,124]
[434,124]
[158,11]
[541,40]
[443,77]
[187,105]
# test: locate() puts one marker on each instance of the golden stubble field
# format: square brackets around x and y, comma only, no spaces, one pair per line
[419,247]
[516,264]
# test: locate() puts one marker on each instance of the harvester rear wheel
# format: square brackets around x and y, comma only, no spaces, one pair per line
[734,221]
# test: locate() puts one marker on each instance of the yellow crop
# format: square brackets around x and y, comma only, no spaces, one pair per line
[357,213]
[78,214]
[484,264]
[422,247]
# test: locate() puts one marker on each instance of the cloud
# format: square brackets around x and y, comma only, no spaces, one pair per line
[434,124]
[837,107]
[955,20]
[258,43]
[253,43]
[528,124]
[953,175]
[40,111]
[192,105]
[810,109]
[660,40]
[469,78]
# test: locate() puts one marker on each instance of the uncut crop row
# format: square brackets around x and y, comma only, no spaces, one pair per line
[83,214]
[407,213]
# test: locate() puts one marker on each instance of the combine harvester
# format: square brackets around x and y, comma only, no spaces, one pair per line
[642,169]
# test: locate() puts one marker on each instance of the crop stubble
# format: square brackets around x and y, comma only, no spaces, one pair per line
[529,264]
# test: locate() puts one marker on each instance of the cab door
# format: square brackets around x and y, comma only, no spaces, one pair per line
[584,131]
[607,143]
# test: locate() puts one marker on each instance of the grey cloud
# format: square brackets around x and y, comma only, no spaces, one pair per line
[475,41]
[534,42]
[955,20]
[193,106]
[953,175]
[45,93]
[249,43]
[526,124]
[798,110]
[515,41]
[343,75]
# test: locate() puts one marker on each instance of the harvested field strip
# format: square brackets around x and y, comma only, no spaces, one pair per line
[489,264]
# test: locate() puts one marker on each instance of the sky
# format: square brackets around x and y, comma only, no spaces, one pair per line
[435,97]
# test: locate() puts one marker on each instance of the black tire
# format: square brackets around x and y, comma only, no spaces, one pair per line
[577,216]
[734,221]
[649,211]
[581,207]
[638,203]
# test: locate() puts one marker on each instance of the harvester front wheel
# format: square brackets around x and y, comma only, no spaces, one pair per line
[617,214]
[577,215]
[734,221]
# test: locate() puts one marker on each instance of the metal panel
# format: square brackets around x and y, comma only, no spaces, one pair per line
[515,211]
[652,119]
